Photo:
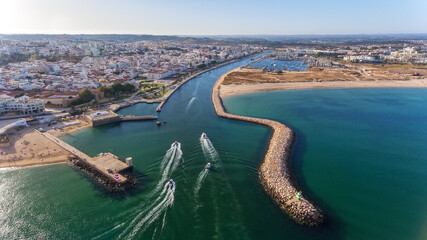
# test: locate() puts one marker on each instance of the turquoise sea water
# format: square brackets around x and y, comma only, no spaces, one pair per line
[360,154]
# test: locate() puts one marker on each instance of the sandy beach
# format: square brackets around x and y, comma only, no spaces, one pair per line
[236,89]
[70,129]
[28,147]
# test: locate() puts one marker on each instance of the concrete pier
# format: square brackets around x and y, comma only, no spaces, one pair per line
[274,171]
[107,117]
[137,118]
[105,163]
[116,107]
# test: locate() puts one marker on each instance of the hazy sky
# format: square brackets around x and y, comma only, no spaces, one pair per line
[213,17]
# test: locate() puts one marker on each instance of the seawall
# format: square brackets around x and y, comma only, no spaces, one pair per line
[274,170]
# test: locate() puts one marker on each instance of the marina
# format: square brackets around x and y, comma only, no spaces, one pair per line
[284,65]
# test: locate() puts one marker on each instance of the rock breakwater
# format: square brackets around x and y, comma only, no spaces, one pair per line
[101,178]
[274,171]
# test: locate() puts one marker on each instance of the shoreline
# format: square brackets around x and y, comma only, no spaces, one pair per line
[170,93]
[274,172]
[33,162]
[28,162]
[239,89]
[30,148]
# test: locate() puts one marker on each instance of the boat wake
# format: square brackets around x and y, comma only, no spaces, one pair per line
[208,149]
[199,182]
[218,193]
[190,103]
[164,199]
[107,232]
[169,163]
[146,217]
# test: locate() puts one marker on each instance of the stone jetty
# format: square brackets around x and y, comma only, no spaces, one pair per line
[105,164]
[274,171]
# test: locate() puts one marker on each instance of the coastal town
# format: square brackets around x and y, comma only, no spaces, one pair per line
[242,120]
[56,86]
[51,87]
[62,84]
[56,70]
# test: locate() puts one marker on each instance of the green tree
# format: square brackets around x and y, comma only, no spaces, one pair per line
[86,96]
[117,88]
[129,87]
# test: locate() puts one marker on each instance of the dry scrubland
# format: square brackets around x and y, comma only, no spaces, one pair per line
[315,74]
[355,76]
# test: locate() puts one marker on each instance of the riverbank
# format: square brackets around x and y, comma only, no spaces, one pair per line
[274,172]
[165,98]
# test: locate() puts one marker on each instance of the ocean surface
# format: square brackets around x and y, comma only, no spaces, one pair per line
[360,154]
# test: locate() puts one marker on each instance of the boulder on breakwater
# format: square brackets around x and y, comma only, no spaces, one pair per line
[106,181]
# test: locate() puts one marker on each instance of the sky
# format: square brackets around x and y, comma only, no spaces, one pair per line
[213,17]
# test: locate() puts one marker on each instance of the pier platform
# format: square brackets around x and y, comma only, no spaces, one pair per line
[105,163]
[138,118]
[117,106]
[107,117]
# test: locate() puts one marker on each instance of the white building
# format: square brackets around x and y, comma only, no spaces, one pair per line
[22,105]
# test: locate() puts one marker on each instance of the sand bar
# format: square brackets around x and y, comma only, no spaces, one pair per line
[236,89]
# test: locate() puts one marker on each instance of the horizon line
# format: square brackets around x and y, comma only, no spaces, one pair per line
[189,35]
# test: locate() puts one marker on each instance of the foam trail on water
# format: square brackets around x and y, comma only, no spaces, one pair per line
[164,220]
[154,234]
[199,182]
[140,214]
[190,103]
[208,149]
[166,158]
[171,161]
[153,214]
[177,159]
[196,88]
[103,234]
[164,199]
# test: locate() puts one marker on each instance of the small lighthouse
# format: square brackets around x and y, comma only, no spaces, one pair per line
[116,176]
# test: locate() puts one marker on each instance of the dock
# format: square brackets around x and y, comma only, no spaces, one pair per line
[137,118]
[105,163]
[117,106]
[107,117]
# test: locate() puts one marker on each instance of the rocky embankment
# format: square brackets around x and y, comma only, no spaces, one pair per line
[101,178]
[274,172]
